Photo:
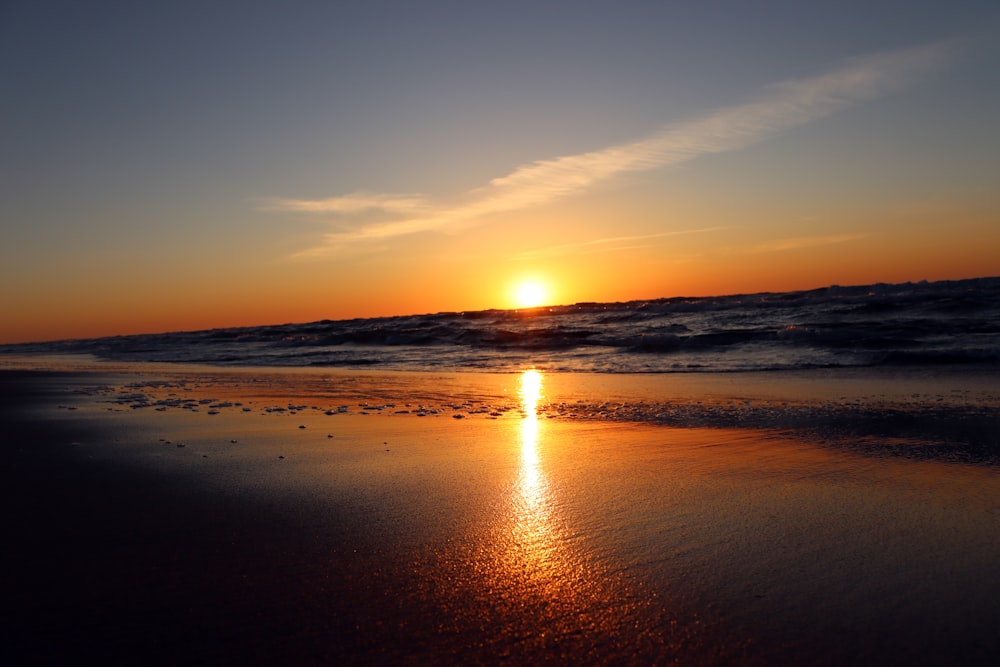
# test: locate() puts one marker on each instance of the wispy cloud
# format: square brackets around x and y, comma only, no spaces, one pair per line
[357,202]
[796,243]
[611,244]
[781,106]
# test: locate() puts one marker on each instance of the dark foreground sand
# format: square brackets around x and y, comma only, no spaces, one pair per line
[161,517]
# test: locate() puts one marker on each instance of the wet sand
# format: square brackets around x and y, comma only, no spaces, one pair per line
[196,516]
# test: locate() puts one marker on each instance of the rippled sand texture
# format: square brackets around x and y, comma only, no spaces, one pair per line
[251,528]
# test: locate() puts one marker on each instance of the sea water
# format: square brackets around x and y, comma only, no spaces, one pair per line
[926,324]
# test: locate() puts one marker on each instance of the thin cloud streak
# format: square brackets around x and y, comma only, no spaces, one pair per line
[357,202]
[797,243]
[783,106]
[603,245]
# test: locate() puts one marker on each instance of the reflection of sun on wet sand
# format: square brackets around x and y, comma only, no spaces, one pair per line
[556,600]
[533,529]
[534,558]
[318,518]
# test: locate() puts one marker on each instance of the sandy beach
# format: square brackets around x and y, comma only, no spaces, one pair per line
[172,515]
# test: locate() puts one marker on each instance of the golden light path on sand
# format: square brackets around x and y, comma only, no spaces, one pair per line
[536,548]
[546,581]
[535,537]
[545,585]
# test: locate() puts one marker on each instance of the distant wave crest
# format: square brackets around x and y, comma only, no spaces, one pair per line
[950,322]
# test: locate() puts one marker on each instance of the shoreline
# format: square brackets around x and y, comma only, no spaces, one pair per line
[513,533]
[949,413]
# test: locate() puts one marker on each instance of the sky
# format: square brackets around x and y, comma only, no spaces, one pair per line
[193,165]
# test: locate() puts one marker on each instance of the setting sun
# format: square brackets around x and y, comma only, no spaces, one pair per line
[530,294]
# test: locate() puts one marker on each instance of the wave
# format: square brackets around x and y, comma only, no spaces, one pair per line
[882,324]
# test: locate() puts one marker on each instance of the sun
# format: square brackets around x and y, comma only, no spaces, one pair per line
[530,294]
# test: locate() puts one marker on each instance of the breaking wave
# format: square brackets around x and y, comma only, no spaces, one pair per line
[950,322]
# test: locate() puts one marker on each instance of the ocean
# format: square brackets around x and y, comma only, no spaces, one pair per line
[908,324]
